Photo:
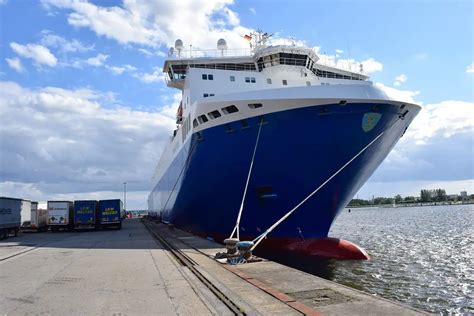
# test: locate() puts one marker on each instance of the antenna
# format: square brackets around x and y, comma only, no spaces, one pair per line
[222,45]
[178,45]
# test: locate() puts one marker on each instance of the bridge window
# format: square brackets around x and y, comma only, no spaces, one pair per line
[205,95]
[195,123]
[252,79]
[255,105]
[204,76]
[308,83]
[269,81]
[232,78]
[247,79]
[285,83]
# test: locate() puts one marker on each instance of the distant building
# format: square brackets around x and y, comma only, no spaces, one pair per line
[463,195]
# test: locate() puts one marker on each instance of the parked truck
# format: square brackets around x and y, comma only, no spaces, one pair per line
[111,213]
[34,217]
[86,214]
[60,215]
[10,216]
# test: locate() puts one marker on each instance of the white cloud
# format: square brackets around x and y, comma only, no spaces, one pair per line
[97,61]
[253,11]
[67,141]
[49,39]
[437,147]
[39,53]
[399,95]
[371,65]
[15,63]
[150,53]
[339,51]
[443,119]
[156,75]
[118,70]
[470,68]
[158,23]
[399,80]
[145,51]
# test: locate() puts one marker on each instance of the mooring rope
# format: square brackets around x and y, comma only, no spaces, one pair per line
[239,216]
[257,240]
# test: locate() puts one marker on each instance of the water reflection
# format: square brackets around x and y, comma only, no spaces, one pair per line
[420,256]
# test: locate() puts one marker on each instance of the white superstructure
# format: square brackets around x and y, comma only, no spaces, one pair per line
[222,86]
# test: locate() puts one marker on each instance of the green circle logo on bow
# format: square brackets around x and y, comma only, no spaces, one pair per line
[370,120]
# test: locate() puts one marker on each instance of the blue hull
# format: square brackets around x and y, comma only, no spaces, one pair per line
[298,150]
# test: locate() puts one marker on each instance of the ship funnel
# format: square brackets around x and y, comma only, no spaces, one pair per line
[222,45]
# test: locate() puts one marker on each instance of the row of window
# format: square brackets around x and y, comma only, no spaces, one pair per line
[326,74]
[329,74]
[226,66]
[216,113]
[205,95]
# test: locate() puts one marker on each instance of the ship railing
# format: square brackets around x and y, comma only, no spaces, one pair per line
[209,53]
[344,64]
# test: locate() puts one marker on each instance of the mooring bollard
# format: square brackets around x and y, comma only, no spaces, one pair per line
[244,248]
[231,245]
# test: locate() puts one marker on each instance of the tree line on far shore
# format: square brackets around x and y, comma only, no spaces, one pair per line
[426,196]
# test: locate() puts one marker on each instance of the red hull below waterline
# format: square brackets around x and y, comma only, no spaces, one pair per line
[328,248]
[324,248]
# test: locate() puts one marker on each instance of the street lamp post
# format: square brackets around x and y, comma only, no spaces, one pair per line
[125,196]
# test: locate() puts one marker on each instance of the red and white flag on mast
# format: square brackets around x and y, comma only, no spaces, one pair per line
[248,37]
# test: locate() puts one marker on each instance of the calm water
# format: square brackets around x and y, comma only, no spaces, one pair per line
[421,256]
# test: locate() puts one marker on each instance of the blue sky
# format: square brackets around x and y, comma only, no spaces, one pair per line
[84,65]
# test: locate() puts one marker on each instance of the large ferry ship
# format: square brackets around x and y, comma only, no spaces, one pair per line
[264,129]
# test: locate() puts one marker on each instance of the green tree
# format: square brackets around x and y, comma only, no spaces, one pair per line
[441,195]
[398,198]
[425,196]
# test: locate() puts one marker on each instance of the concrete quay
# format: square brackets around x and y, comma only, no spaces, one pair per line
[153,270]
